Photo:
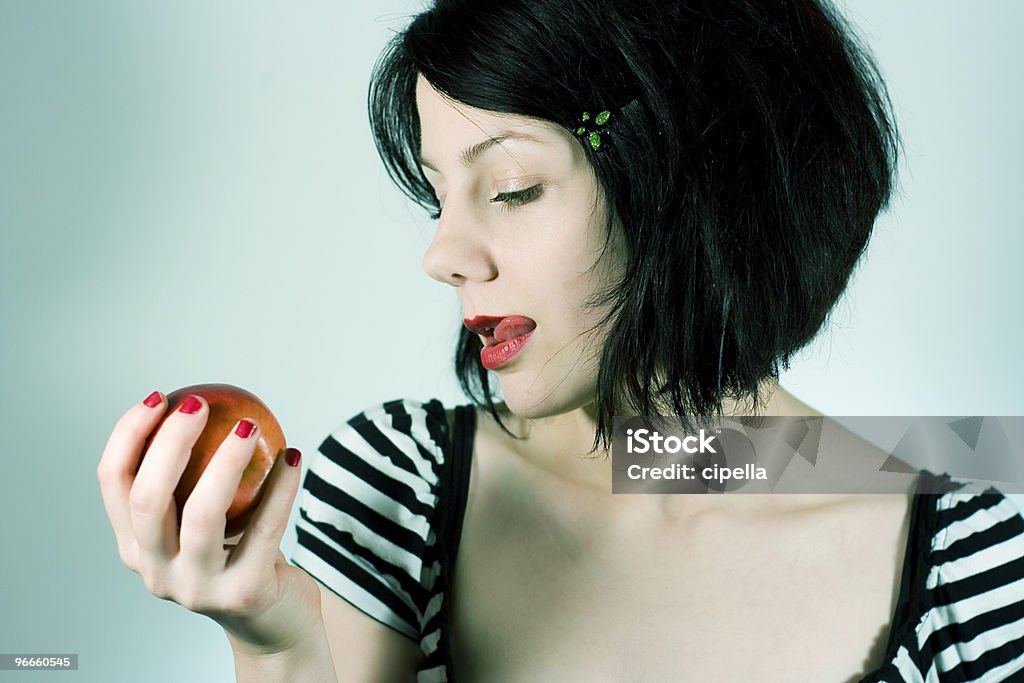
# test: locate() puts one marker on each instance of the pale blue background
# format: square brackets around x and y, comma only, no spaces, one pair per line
[189,193]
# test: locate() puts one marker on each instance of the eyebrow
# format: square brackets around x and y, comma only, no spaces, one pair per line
[470,155]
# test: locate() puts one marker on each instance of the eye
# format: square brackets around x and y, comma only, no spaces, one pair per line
[519,197]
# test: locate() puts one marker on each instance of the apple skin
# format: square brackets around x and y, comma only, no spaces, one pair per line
[227,405]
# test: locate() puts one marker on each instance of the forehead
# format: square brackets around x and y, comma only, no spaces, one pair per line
[449,129]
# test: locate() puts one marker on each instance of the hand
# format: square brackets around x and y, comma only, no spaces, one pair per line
[265,604]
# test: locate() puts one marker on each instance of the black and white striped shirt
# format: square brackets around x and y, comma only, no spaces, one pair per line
[381,514]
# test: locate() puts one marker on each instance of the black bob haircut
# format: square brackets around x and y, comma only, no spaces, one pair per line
[751,148]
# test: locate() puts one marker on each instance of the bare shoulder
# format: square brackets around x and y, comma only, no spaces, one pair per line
[841,454]
[844,455]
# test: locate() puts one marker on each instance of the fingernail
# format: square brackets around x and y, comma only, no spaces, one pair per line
[153,400]
[292,456]
[244,429]
[190,405]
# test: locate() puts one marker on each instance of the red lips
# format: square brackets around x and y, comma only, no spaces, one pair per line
[497,329]
[504,336]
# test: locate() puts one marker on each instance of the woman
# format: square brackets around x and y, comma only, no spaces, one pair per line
[645,208]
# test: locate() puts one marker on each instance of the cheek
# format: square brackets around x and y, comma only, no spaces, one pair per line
[565,249]
[555,276]
[544,262]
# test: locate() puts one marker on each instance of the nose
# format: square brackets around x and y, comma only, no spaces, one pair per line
[459,251]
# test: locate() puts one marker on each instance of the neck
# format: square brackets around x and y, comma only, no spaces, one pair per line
[562,443]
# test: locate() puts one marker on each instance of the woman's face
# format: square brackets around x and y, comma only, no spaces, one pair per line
[520,232]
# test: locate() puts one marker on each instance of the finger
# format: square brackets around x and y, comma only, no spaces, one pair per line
[262,539]
[151,501]
[117,467]
[204,516]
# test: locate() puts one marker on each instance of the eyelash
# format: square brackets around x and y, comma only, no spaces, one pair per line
[510,200]
[514,199]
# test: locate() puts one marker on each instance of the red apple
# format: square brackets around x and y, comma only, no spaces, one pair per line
[229,404]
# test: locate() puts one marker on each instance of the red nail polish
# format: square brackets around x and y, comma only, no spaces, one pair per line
[292,456]
[244,429]
[190,405]
[153,400]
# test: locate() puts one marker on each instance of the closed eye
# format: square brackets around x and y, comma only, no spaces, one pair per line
[509,199]
[520,197]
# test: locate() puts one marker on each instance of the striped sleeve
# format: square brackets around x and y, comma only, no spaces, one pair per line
[974,628]
[366,511]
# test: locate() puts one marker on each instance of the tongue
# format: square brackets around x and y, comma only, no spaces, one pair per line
[513,326]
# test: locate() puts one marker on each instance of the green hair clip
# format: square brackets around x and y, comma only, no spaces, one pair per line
[592,129]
